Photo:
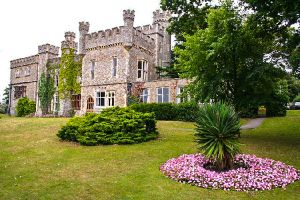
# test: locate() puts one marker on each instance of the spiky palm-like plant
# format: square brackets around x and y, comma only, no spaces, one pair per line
[217,133]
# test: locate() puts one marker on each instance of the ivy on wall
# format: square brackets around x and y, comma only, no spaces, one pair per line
[69,72]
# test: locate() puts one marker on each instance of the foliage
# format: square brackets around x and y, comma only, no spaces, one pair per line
[25,107]
[69,71]
[167,111]
[293,87]
[5,101]
[297,99]
[111,126]
[46,92]
[226,61]
[217,132]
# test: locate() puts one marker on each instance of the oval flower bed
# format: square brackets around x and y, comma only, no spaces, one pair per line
[260,173]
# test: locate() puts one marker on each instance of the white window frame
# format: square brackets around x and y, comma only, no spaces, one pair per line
[179,91]
[162,94]
[144,96]
[18,73]
[111,98]
[143,70]
[115,67]
[27,71]
[100,97]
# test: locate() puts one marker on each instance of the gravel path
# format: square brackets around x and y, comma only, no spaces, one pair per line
[253,123]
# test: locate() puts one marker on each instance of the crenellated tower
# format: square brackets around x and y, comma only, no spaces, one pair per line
[161,19]
[128,17]
[69,42]
[83,31]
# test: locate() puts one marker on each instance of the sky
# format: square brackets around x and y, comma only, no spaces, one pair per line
[27,24]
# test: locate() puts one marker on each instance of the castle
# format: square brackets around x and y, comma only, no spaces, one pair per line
[114,62]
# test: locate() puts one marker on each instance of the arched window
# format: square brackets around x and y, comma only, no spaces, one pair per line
[90,105]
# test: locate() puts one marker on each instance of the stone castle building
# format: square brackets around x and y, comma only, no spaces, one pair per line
[116,63]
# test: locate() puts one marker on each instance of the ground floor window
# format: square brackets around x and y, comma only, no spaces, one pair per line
[100,99]
[163,95]
[179,91]
[145,95]
[76,102]
[90,104]
[111,98]
[20,92]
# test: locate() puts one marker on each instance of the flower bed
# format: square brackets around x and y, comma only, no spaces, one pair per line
[261,173]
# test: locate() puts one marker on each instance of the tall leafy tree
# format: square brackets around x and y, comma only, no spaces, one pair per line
[227,61]
[46,92]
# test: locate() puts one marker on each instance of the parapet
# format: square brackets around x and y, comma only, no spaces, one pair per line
[161,16]
[70,36]
[84,26]
[128,14]
[47,48]
[24,61]
[150,29]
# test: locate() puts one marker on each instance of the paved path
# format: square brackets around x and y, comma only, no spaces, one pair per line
[253,123]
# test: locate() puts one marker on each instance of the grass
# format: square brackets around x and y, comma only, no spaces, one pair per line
[34,164]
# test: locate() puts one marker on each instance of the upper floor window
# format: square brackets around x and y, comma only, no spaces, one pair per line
[111,98]
[143,70]
[93,69]
[27,71]
[56,79]
[115,66]
[163,95]
[145,96]
[18,73]
[20,92]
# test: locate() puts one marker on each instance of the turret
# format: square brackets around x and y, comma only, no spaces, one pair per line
[69,42]
[83,30]
[128,17]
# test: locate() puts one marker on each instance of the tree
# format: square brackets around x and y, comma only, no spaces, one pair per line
[227,61]
[46,92]
[5,101]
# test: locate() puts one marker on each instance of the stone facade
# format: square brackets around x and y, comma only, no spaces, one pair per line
[114,62]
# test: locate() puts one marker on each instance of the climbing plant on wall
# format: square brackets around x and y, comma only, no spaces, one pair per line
[69,72]
[46,92]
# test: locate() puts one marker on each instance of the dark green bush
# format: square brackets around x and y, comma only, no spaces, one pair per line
[168,111]
[25,107]
[111,126]
[276,109]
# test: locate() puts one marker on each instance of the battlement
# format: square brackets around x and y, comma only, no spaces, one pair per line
[150,29]
[161,16]
[128,14]
[24,61]
[84,26]
[47,48]
[70,36]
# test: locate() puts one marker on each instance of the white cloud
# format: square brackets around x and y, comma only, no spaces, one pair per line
[27,24]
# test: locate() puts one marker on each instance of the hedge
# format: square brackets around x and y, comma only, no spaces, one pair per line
[25,107]
[111,126]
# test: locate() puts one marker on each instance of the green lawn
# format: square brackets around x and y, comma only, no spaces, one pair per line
[34,164]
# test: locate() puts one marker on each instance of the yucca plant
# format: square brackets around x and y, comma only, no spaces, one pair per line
[217,133]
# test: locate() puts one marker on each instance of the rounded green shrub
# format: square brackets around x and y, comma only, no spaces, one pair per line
[112,126]
[25,107]
[217,133]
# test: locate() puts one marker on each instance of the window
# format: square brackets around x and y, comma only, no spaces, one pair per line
[143,70]
[20,92]
[145,96]
[115,66]
[93,70]
[179,91]
[76,102]
[111,98]
[163,95]
[18,73]
[27,71]
[56,102]
[100,99]
[90,105]
[56,80]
